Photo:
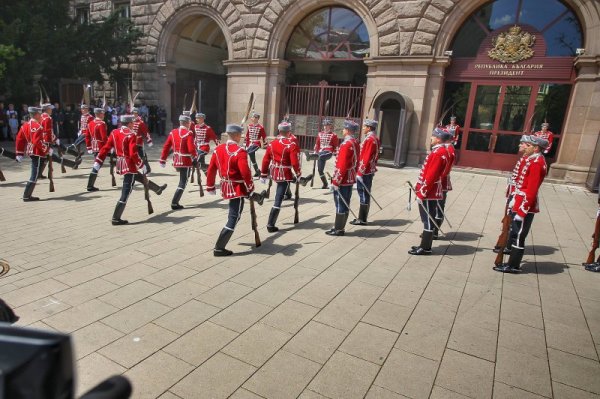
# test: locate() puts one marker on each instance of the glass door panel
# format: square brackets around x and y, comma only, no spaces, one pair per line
[478,141]
[514,108]
[507,143]
[485,107]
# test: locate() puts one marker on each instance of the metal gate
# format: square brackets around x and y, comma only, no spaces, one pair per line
[306,107]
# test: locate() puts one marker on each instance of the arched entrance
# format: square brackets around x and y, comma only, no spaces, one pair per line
[193,48]
[512,68]
[394,112]
[327,74]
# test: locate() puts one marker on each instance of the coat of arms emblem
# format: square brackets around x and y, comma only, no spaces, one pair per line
[512,46]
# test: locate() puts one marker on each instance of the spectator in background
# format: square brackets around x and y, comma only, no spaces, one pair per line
[162,121]
[144,111]
[114,120]
[58,120]
[10,112]
[70,124]
[3,123]
[13,125]
[24,114]
[153,118]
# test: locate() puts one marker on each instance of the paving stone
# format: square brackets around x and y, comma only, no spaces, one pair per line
[574,371]
[92,370]
[241,315]
[316,342]
[129,274]
[178,294]
[138,345]
[186,317]
[224,294]
[376,392]
[387,315]
[169,276]
[93,337]
[244,394]
[86,291]
[521,293]
[33,292]
[562,391]
[129,294]
[308,394]
[503,391]
[427,340]
[466,374]
[257,344]
[509,370]
[369,343]
[575,340]
[80,316]
[473,340]
[156,374]
[407,374]
[219,377]
[196,346]
[522,313]
[38,310]
[443,393]
[136,315]
[344,376]
[285,375]
[290,316]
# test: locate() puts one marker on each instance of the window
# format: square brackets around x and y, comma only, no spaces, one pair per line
[123,8]
[332,33]
[557,23]
[82,15]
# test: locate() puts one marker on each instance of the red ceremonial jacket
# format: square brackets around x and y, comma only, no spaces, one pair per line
[48,126]
[346,162]
[254,134]
[548,136]
[455,130]
[446,183]
[369,154]
[204,134]
[141,131]
[84,121]
[528,183]
[231,161]
[123,140]
[184,150]
[30,140]
[98,136]
[281,157]
[429,185]
[514,176]
[326,141]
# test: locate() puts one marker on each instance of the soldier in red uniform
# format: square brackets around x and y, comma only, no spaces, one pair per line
[141,133]
[255,137]
[281,161]
[454,130]
[84,121]
[446,183]
[184,155]
[344,177]
[204,134]
[325,146]
[230,160]
[49,136]
[94,142]
[367,166]
[429,188]
[30,141]
[547,135]
[129,163]
[524,204]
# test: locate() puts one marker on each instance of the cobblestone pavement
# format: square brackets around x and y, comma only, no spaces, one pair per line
[306,315]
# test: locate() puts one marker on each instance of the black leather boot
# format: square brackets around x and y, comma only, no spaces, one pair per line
[176,197]
[425,247]
[116,219]
[338,226]
[91,181]
[514,262]
[41,170]
[256,170]
[27,197]
[155,187]
[363,213]
[304,180]
[259,198]
[592,267]
[311,156]
[324,180]
[272,220]
[222,241]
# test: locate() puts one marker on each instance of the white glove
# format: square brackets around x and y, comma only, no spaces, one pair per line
[334,187]
[518,218]
[144,170]
[79,133]
[50,151]
[97,166]
[163,165]
[57,141]
[90,151]
[150,144]
[212,192]
[264,180]
[359,178]
[419,201]
[19,158]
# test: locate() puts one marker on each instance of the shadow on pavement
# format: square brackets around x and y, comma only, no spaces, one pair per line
[166,217]
[459,249]
[540,250]
[79,197]
[389,222]
[466,236]
[543,268]
[310,224]
[366,233]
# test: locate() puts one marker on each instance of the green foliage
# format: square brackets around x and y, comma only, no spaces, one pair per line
[40,42]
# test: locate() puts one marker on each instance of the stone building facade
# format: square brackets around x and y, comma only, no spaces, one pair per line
[240,47]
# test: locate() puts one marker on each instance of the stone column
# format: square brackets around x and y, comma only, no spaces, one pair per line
[264,78]
[582,126]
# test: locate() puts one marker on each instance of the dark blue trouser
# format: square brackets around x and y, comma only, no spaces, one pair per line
[429,206]
[36,165]
[346,193]
[365,198]
[282,188]
[324,156]
[519,229]
[236,206]
[128,181]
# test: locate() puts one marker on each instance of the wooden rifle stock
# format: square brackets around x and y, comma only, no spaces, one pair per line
[269,188]
[192,176]
[147,194]
[257,242]
[50,173]
[112,170]
[2,178]
[595,239]
[312,180]
[499,241]
[296,201]
[503,239]
[199,180]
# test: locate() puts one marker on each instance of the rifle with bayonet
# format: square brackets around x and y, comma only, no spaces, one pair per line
[503,238]
[254,222]
[595,240]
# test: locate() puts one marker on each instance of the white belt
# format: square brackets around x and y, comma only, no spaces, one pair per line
[182,155]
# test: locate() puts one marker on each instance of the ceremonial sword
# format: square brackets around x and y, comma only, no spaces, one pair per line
[368,192]
[431,219]
[341,197]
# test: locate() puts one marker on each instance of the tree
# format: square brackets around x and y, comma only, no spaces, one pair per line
[40,42]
